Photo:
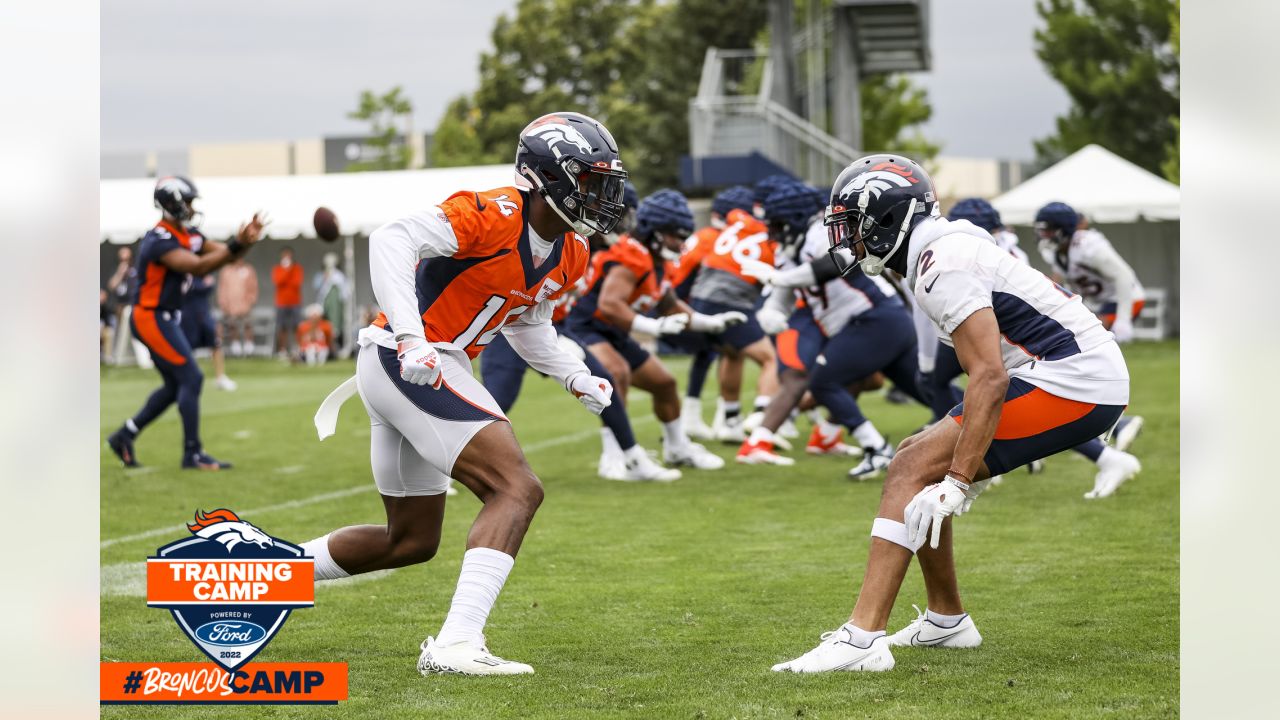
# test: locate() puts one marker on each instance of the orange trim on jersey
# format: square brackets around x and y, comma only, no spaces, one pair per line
[1035,413]
[149,330]
[789,349]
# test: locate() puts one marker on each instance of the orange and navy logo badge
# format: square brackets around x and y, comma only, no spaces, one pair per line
[229,585]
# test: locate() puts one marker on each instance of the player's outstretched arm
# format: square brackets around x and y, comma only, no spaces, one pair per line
[535,340]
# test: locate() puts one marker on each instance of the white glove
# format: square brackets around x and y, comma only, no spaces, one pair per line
[716,323]
[771,321]
[593,392]
[665,325]
[762,271]
[932,505]
[1122,328]
[419,362]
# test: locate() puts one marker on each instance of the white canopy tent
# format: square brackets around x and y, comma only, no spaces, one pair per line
[1098,183]
[362,201]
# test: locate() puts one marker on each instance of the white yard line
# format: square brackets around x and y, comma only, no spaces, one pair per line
[339,494]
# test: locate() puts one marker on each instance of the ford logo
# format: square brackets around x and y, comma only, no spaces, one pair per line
[230,633]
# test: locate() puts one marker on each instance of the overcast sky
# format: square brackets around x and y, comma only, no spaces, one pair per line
[174,74]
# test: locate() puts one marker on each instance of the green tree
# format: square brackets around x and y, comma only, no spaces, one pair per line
[893,108]
[1171,166]
[384,113]
[1116,62]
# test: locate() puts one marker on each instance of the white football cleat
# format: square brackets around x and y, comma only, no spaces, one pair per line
[465,658]
[1114,468]
[693,455]
[451,490]
[837,653]
[225,383]
[923,633]
[729,430]
[873,462]
[642,468]
[612,466]
[752,421]
[788,429]
[691,418]
[1127,431]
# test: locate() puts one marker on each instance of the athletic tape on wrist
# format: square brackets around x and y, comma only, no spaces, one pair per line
[893,531]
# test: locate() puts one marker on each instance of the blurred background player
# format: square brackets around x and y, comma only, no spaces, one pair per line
[502,371]
[315,335]
[237,293]
[287,277]
[722,287]
[682,273]
[449,279]
[627,280]
[854,326]
[202,330]
[170,254]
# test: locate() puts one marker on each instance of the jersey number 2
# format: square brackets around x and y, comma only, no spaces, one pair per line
[482,318]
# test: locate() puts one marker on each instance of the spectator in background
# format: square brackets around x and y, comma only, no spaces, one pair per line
[122,285]
[315,336]
[333,292]
[237,294]
[287,277]
[202,330]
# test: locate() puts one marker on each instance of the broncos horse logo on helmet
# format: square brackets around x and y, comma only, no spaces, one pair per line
[173,196]
[875,203]
[224,526]
[572,161]
[666,212]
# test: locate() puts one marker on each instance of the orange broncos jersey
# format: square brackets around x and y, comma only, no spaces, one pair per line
[696,249]
[634,256]
[466,299]
[744,238]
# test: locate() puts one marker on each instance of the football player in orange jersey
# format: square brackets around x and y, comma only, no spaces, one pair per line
[449,279]
[683,272]
[628,280]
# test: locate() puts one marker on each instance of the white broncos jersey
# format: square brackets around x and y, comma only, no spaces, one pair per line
[1047,337]
[1092,267]
[841,299]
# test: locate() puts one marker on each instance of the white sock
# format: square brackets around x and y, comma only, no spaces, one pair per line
[692,408]
[635,452]
[673,433]
[1106,455]
[761,434]
[862,638]
[483,573]
[944,621]
[868,436]
[732,409]
[133,428]
[326,568]
[762,402]
[815,416]
[828,429]
[609,446]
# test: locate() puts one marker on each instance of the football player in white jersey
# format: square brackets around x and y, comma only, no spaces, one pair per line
[1084,260]
[1044,376]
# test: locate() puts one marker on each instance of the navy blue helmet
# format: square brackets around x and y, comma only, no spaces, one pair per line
[174,195]
[630,197]
[761,189]
[875,203]
[789,209]
[1057,221]
[572,161]
[738,197]
[977,211]
[664,211]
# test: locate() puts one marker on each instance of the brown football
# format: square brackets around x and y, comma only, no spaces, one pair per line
[326,224]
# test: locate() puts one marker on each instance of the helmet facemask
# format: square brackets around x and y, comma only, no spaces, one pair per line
[872,242]
[595,204]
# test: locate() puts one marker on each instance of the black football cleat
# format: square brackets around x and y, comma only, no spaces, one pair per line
[200,460]
[121,443]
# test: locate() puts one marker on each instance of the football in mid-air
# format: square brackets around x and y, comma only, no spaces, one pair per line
[326,224]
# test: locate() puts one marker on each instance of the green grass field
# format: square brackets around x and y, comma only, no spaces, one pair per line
[670,601]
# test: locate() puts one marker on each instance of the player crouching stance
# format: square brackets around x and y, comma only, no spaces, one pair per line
[449,279]
[1044,376]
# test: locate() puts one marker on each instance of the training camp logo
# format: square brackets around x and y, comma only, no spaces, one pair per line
[230,586]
